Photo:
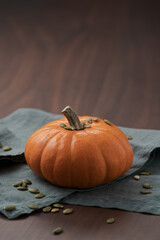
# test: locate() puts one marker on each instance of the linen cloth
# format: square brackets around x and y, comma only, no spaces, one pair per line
[123,193]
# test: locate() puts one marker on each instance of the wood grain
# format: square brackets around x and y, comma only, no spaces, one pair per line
[102,58]
[85,223]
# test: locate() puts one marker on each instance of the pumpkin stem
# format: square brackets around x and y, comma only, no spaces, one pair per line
[72,118]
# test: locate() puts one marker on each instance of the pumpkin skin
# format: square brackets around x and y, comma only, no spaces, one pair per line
[79,159]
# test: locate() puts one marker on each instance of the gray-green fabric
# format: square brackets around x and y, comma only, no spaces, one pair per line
[123,193]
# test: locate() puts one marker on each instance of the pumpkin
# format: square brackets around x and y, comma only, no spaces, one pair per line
[79,152]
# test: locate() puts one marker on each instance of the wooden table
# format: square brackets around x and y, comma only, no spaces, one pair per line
[102,58]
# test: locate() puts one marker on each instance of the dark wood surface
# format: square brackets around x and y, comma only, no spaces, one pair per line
[100,57]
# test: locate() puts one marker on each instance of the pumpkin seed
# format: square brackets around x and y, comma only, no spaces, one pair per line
[47,209]
[9,207]
[145,191]
[27,181]
[33,190]
[54,210]
[95,119]
[0,145]
[107,121]
[17,184]
[40,195]
[68,128]
[136,177]
[110,220]
[87,126]
[22,188]
[89,120]
[58,230]
[83,123]
[7,148]
[67,210]
[147,185]
[33,206]
[145,173]
[129,137]
[58,205]
[62,125]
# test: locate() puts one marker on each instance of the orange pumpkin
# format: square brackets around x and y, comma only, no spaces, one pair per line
[86,153]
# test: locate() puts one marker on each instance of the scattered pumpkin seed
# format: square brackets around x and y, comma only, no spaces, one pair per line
[136,177]
[107,121]
[58,205]
[17,184]
[145,191]
[33,206]
[83,123]
[27,181]
[89,120]
[0,145]
[7,148]
[95,119]
[68,128]
[147,185]
[33,190]
[67,210]
[87,126]
[62,125]
[145,173]
[47,209]
[54,210]
[129,137]
[40,195]
[110,220]
[9,207]
[58,230]
[22,188]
